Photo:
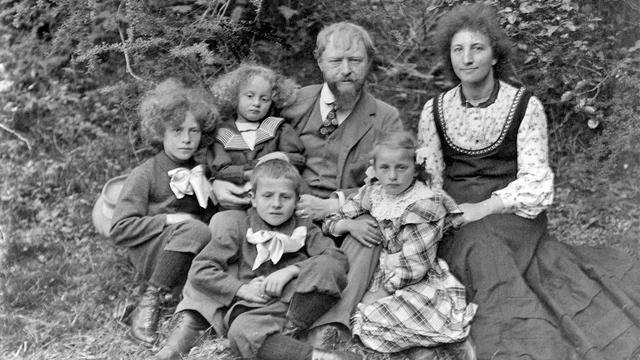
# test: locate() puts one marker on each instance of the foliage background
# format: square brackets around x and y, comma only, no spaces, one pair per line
[71,72]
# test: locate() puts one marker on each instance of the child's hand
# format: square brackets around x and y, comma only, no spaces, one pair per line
[315,207]
[276,281]
[253,291]
[391,262]
[371,297]
[179,217]
[364,229]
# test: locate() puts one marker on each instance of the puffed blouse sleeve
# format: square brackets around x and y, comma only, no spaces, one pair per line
[532,191]
[429,152]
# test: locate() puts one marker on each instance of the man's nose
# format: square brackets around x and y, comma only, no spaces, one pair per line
[277,202]
[393,175]
[345,67]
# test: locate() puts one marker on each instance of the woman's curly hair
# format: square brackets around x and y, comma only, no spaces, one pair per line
[167,105]
[475,17]
[226,88]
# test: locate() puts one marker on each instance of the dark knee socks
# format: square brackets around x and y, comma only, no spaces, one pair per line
[305,309]
[281,347]
[171,269]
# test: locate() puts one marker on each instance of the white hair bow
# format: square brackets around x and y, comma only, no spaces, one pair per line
[188,182]
[272,244]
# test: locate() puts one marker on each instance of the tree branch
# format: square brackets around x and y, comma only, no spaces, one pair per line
[124,46]
[14,133]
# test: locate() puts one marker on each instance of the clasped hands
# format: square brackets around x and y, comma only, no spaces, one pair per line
[264,288]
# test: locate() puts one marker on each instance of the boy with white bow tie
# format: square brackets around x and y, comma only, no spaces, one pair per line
[162,208]
[265,277]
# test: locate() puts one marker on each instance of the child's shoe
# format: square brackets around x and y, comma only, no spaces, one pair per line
[144,319]
[188,329]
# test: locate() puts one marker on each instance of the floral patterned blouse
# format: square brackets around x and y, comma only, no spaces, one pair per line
[476,127]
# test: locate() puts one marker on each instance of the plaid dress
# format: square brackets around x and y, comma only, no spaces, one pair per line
[422,303]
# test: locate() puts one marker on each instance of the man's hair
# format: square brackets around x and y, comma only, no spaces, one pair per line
[475,17]
[276,169]
[349,33]
[167,104]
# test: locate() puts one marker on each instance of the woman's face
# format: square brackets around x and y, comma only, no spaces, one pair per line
[472,57]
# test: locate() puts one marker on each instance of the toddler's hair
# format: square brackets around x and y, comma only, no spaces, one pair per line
[400,140]
[167,104]
[226,88]
[276,169]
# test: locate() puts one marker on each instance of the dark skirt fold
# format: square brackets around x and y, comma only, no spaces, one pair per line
[541,299]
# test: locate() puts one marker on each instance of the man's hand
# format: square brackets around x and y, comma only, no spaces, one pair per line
[178,218]
[315,207]
[229,194]
[253,291]
[275,282]
[364,229]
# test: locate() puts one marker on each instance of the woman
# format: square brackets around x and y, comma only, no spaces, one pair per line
[485,141]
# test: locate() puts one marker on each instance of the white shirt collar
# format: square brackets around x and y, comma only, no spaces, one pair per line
[326,99]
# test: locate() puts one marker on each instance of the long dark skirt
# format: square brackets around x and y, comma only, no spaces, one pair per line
[541,299]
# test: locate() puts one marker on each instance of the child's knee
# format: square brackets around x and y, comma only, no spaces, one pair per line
[197,230]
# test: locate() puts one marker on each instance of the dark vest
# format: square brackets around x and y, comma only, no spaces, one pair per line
[472,175]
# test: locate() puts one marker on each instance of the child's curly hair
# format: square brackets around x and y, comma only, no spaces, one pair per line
[167,104]
[225,88]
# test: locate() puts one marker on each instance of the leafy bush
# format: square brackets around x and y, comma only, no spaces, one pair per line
[71,72]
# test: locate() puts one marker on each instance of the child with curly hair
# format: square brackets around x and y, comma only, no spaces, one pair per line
[413,299]
[161,214]
[248,98]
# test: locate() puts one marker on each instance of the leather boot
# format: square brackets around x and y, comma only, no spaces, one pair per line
[144,319]
[319,354]
[189,328]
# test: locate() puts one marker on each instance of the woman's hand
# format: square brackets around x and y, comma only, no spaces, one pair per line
[254,291]
[179,217]
[477,211]
[364,229]
[229,194]
[316,208]
[276,281]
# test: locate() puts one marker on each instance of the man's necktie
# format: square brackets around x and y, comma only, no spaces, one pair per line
[330,123]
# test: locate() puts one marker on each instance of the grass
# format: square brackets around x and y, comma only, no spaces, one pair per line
[64,287]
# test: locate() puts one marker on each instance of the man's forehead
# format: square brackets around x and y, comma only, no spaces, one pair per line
[345,42]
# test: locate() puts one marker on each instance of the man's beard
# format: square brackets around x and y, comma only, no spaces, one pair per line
[345,98]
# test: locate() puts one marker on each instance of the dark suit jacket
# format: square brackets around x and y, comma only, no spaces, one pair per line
[369,118]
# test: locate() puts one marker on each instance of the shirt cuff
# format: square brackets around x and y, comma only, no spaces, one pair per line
[341,197]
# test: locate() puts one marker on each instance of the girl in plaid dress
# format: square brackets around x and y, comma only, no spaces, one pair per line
[413,299]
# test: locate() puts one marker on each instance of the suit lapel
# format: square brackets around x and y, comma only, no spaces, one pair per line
[356,125]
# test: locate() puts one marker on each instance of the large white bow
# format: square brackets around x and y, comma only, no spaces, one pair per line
[188,182]
[272,244]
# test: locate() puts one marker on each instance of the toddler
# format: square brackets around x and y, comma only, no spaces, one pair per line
[248,97]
